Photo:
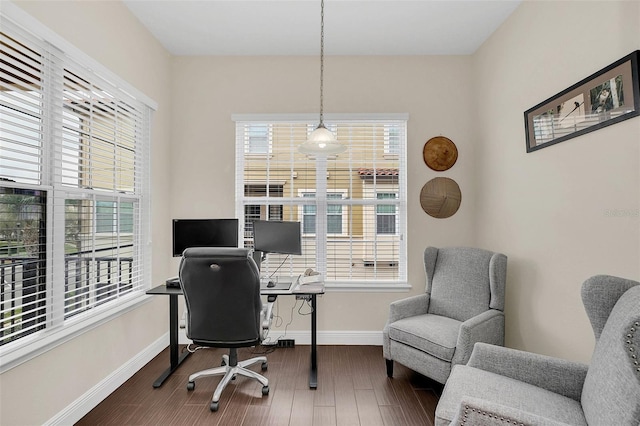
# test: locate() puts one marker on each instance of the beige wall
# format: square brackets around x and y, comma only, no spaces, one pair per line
[545,210]
[548,209]
[435,92]
[37,390]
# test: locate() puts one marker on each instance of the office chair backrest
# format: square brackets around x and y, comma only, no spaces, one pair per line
[464,281]
[222,291]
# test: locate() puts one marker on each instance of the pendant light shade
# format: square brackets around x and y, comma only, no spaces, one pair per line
[321,141]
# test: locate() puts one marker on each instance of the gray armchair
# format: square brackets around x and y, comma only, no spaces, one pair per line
[463,304]
[502,386]
[224,310]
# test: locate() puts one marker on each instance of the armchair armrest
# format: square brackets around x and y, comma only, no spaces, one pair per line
[409,307]
[554,374]
[487,327]
[480,412]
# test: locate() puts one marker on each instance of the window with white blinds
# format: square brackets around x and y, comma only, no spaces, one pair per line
[352,206]
[74,188]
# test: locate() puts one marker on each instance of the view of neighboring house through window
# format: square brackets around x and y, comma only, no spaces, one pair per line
[258,139]
[254,212]
[351,206]
[393,140]
[334,214]
[73,189]
[386,214]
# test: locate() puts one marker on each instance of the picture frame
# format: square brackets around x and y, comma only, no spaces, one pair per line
[606,97]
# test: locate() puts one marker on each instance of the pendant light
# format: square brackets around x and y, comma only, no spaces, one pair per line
[321,141]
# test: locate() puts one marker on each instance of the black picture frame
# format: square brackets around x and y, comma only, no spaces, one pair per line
[606,97]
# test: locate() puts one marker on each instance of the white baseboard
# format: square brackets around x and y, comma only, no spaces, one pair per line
[87,402]
[81,406]
[373,338]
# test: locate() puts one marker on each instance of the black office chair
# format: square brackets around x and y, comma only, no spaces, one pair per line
[224,310]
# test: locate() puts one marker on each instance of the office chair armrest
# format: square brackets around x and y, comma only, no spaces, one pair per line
[266,315]
[480,412]
[409,307]
[487,327]
[554,374]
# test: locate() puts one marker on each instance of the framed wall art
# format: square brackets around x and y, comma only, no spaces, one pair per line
[607,97]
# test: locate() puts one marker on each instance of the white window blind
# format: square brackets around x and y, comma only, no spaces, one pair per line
[74,187]
[352,207]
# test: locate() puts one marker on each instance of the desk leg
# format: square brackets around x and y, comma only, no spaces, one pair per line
[313,372]
[175,359]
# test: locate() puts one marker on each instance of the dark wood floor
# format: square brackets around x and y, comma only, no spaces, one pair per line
[353,389]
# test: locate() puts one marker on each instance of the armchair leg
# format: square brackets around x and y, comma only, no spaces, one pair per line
[389,363]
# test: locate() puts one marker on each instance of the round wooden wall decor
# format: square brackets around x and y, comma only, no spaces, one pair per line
[440,153]
[440,197]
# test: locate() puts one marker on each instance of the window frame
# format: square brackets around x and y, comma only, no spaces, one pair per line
[18,23]
[292,200]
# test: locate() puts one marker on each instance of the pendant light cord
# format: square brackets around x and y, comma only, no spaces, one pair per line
[321,63]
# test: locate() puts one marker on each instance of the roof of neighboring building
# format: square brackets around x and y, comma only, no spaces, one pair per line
[370,172]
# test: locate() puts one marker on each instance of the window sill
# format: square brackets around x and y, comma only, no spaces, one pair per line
[36,344]
[367,287]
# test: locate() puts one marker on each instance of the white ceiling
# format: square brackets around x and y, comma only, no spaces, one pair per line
[292,27]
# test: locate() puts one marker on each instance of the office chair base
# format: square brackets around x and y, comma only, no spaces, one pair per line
[230,372]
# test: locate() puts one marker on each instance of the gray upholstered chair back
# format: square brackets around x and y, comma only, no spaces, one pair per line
[222,291]
[616,357]
[463,281]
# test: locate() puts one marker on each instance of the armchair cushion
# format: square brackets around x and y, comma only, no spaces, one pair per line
[428,333]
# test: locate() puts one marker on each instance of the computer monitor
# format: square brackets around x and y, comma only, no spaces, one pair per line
[204,233]
[271,236]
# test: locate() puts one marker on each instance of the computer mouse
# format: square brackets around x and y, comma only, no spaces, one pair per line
[271,284]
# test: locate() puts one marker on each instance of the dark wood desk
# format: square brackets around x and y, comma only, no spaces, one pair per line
[176,359]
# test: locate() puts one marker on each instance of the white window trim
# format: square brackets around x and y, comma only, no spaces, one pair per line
[24,349]
[363,286]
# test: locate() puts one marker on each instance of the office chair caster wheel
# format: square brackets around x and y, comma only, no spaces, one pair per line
[214,406]
[191,386]
[265,390]
[264,366]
